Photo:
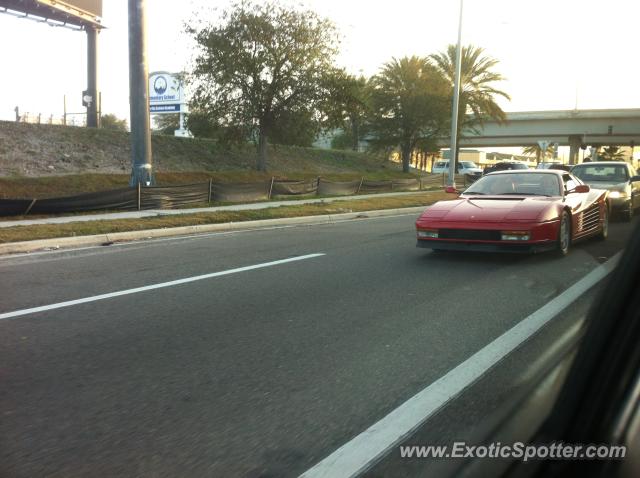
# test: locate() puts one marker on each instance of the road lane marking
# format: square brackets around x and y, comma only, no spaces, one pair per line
[160,285]
[366,449]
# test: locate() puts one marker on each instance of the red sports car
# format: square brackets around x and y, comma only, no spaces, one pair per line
[517,211]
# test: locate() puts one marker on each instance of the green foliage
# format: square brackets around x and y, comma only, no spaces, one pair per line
[477,90]
[202,125]
[611,153]
[348,106]
[343,140]
[410,101]
[295,128]
[167,123]
[261,66]
[112,122]
[536,150]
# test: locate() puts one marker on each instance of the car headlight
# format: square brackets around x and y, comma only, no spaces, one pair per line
[515,235]
[430,233]
[619,194]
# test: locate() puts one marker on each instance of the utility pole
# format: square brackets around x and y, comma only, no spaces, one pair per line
[91,100]
[454,112]
[141,167]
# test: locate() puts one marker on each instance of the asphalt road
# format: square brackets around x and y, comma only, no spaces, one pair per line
[260,372]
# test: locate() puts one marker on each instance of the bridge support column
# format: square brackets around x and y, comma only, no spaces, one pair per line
[574,148]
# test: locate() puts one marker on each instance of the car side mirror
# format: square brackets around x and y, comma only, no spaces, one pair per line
[581,188]
[451,190]
[635,178]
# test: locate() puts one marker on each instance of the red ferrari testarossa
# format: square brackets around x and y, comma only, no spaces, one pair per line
[517,211]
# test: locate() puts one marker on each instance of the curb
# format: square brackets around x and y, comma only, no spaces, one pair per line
[99,239]
[145,213]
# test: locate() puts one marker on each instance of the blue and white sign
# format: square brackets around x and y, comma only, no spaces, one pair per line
[164,88]
[157,109]
[166,96]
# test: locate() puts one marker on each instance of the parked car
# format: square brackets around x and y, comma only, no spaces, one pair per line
[547,164]
[619,178]
[561,167]
[505,166]
[464,167]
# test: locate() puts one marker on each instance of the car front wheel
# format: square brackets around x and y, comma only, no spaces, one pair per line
[604,232]
[564,234]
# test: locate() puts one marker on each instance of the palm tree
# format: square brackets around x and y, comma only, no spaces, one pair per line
[536,150]
[477,93]
[408,106]
[611,153]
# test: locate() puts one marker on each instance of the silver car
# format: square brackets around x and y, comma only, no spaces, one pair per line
[464,167]
[619,178]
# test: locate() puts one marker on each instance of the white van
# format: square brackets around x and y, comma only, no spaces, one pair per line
[464,167]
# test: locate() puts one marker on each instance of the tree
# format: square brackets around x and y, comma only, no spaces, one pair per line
[611,153]
[167,123]
[261,66]
[536,150]
[342,140]
[348,106]
[112,122]
[296,128]
[409,101]
[477,91]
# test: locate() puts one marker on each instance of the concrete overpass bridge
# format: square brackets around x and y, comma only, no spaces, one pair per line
[573,128]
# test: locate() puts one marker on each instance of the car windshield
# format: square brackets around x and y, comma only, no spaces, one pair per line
[601,173]
[441,164]
[468,164]
[530,184]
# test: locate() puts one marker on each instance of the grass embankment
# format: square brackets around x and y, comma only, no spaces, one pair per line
[27,233]
[39,161]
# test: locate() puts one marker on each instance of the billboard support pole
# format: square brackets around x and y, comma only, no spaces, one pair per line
[141,167]
[92,76]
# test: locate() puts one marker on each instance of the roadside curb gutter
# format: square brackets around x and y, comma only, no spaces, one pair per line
[107,239]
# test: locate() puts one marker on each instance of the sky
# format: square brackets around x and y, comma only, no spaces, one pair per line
[555,54]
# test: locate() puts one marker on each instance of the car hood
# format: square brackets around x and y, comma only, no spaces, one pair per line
[606,185]
[486,209]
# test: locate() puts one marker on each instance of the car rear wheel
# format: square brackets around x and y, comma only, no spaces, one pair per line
[604,232]
[564,234]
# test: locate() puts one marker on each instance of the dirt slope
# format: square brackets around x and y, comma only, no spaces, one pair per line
[29,150]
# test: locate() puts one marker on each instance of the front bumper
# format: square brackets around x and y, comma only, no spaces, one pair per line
[620,204]
[518,248]
[486,236]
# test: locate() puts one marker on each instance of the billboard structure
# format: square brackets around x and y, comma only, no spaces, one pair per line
[75,14]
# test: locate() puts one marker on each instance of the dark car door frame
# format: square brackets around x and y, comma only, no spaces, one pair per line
[591,405]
